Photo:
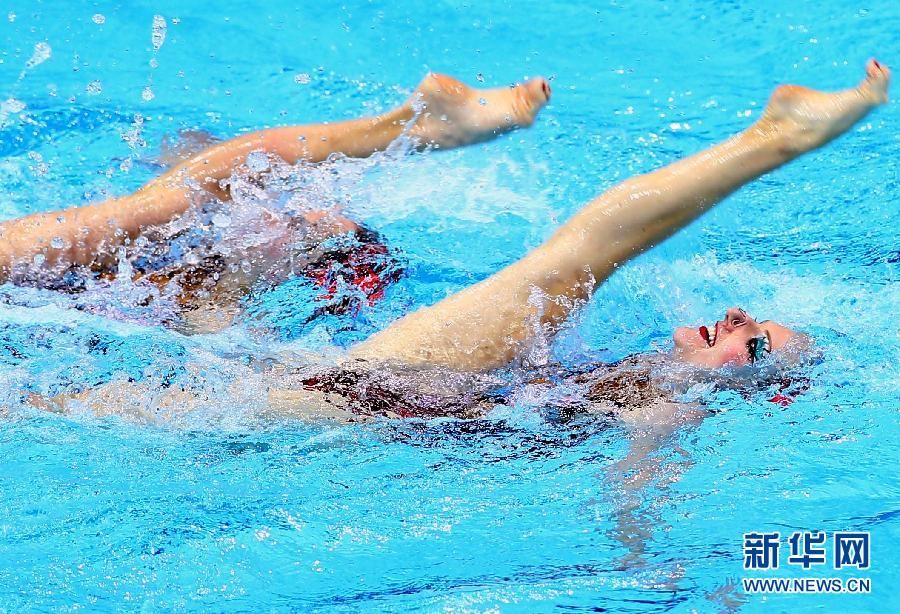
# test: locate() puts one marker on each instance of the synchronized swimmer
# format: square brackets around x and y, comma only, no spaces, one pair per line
[479,329]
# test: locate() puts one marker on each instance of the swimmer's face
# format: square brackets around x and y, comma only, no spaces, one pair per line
[726,342]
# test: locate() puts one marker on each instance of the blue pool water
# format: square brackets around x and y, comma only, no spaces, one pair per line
[220,509]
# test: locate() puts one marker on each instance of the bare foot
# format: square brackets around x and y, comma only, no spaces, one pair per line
[449,113]
[808,118]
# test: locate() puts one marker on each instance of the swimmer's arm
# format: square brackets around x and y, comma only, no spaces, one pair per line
[651,428]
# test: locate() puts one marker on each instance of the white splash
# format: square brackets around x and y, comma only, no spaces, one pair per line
[41,54]
[10,106]
[158,35]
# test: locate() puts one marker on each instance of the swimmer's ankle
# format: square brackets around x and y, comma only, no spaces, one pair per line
[449,113]
[797,119]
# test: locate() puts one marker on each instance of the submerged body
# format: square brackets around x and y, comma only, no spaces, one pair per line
[632,390]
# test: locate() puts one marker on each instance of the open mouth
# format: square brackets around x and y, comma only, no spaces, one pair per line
[709,339]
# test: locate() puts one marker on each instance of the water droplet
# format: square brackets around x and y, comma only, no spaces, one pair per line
[98,19]
[176,21]
[148,94]
[245,266]
[257,161]
[482,101]
[57,243]
[192,258]
[301,79]
[154,63]
[221,220]
[11,16]
[94,87]
[39,259]
[41,54]
[158,34]
[480,77]
[12,105]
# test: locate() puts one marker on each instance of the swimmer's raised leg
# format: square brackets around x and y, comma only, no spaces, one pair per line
[452,114]
[442,113]
[487,325]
